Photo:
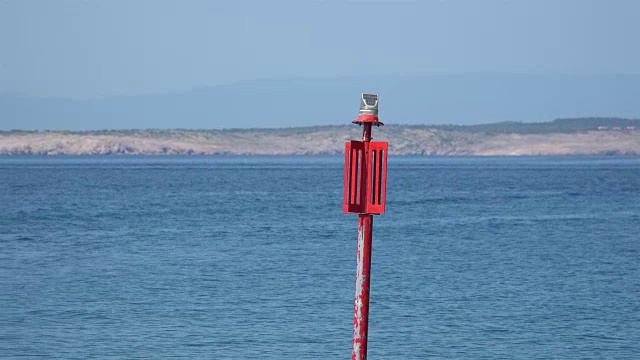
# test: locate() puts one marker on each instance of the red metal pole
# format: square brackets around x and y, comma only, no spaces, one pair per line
[363,266]
[365,183]
[363,281]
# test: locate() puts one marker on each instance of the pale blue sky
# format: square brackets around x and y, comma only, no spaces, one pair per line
[85,49]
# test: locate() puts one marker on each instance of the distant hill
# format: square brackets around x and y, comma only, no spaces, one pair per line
[445,99]
[556,126]
[582,136]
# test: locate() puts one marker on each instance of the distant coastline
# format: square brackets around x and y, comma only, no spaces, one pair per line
[577,136]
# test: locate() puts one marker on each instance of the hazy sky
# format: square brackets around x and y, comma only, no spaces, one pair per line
[84,49]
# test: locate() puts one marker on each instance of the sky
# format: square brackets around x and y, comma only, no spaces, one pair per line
[81,49]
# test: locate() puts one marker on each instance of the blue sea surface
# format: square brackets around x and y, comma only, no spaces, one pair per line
[252,258]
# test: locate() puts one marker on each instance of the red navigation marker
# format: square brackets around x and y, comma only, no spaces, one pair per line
[365,192]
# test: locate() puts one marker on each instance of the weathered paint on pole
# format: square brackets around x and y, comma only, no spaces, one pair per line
[365,182]
[363,281]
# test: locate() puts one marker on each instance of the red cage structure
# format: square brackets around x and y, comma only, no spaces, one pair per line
[365,178]
[365,192]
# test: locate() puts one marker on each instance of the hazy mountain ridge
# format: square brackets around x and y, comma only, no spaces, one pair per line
[587,136]
[280,102]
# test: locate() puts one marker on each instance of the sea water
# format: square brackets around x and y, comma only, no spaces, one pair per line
[252,258]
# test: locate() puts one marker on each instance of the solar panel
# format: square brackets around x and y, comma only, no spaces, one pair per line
[370,99]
